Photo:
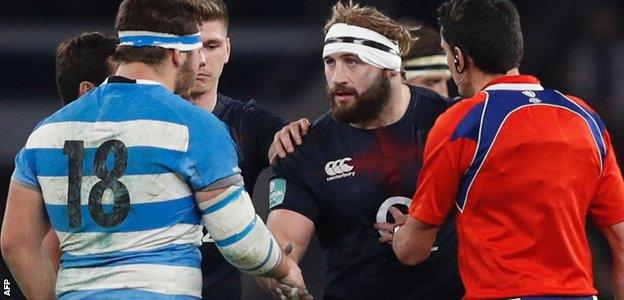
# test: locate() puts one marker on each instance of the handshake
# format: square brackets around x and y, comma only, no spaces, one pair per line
[291,286]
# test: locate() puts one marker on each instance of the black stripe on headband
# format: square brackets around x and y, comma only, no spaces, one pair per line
[426,67]
[365,42]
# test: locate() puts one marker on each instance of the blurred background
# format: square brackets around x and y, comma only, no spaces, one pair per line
[574,46]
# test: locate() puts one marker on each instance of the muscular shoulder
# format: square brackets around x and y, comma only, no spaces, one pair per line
[463,116]
[227,105]
[318,140]
[429,97]
[246,116]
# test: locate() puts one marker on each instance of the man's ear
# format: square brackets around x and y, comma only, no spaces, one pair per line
[460,60]
[227,50]
[176,57]
[85,87]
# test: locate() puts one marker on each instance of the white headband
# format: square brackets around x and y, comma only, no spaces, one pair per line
[158,39]
[426,65]
[372,47]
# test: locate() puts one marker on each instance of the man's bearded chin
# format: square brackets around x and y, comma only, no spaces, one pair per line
[185,80]
[366,106]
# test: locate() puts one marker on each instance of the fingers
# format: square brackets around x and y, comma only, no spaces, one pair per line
[385,230]
[389,227]
[386,238]
[278,146]
[268,285]
[284,138]
[273,159]
[398,216]
[288,292]
[295,131]
[298,129]
[304,124]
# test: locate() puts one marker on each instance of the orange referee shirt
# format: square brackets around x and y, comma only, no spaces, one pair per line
[524,166]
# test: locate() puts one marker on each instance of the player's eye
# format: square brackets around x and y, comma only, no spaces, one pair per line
[211,46]
[329,61]
[351,61]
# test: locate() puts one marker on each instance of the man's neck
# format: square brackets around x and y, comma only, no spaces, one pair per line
[400,96]
[480,79]
[137,70]
[207,100]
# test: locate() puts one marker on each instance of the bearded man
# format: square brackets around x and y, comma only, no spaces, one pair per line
[358,162]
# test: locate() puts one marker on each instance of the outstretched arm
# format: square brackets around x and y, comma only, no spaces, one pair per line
[412,242]
[292,231]
[242,237]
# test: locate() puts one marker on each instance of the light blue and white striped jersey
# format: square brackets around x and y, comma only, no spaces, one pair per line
[117,169]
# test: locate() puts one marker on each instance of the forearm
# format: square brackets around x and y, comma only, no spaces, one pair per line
[239,234]
[52,248]
[32,269]
[291,228]
[615,238]
[618,277]
[412,242]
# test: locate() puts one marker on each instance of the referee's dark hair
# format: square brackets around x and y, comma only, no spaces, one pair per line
[486,30]
[82,58]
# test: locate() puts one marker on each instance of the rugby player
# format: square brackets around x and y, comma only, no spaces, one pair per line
[86,59]
[357,162]
[125,173]
[81,64]
[425,63]
[251,127]
[524,164]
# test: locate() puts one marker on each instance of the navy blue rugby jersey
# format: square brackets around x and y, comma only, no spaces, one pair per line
[342,178]
[252,129]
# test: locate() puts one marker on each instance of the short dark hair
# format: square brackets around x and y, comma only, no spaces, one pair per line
[82,58]
[486,30]
[425,39]
[214,10]
[180,17]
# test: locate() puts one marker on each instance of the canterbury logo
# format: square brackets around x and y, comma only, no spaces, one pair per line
[337,169]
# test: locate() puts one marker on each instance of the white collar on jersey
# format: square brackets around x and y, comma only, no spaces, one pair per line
[139,81]
[515,87]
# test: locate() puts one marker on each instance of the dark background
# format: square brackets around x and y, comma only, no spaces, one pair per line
[576,46]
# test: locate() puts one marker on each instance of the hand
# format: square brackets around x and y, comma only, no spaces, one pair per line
[269,285]
[387,229]
[290,287]
[293,293]
[283,139]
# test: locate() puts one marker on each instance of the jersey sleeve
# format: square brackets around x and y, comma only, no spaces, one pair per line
[264,125]
[211,160]
[446,157]
[25,172]
[288,191]
[607,206]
